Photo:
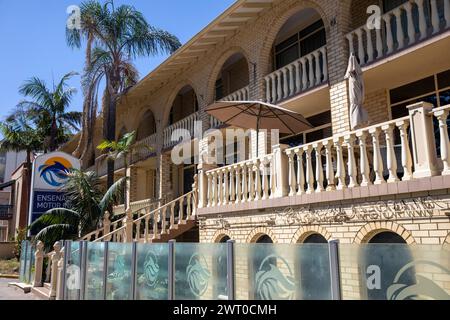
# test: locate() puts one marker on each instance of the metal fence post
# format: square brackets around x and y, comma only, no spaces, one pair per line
[67,260]
[171,273]
[133,270]
[82,260]
[336,293]
[105,268]
[231,289]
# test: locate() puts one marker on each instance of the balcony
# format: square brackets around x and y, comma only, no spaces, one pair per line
[399,156]
[179,128]
[409,24]
[6,212]
[298,77]
[239,95]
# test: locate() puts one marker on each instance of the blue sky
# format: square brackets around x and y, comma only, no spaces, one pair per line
[32,34]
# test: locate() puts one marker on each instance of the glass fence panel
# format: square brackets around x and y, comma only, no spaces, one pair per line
[94,285]
[23,254]
[73,272]
[152,271]
[119,271]
[395,272]
[29,254]
[32,264]
[282,272]
[200,271]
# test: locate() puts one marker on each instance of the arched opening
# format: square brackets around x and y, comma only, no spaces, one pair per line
[184,105]
[220,286]
[302,34]
[314,272]
[315,238]
[147,126]
[233,77]
[262,261]
[384,257]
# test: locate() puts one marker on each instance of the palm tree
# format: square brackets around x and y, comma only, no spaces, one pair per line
[19,135]
[120,149]
[48,109]
[118,35]
[88,205]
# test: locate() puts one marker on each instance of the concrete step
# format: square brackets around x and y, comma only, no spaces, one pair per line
[23,286]
[47,285]
[42,292]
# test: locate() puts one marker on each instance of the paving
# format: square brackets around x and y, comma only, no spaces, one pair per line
[14,293]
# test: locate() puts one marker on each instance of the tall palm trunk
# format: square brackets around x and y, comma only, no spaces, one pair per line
[53,133]
[87,104]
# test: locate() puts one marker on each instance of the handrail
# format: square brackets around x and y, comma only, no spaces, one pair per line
[109,235]
[342,135]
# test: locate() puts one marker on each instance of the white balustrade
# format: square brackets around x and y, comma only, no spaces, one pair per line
[301,75]
[441,115]
[250,180]
[403,26]
[179,128]
[239,95]
[347,157]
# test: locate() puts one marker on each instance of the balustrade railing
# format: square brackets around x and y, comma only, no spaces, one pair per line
[358,158]
[442,116]
[299,76]
[401,27]
[144,148]
[153,223]
[241,182]
[239,95]
[404,149]
[178,129]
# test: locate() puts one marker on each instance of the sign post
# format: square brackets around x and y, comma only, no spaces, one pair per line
[49,175]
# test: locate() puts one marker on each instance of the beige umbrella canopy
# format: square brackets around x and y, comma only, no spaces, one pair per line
[358,115]
[258,115]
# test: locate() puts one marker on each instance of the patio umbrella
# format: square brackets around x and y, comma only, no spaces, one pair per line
[358,115]
[258,115]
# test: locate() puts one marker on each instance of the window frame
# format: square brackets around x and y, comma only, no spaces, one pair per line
[297,42]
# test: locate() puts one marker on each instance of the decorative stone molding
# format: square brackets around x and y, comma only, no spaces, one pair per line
[220,234]
[371,229]
[258,232]
[304,232]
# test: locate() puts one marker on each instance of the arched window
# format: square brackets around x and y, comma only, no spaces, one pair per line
[313,271]
[184,105]
[302,34]
[262,261]
[220,287]
[387,253]
[233,76]
[147,126]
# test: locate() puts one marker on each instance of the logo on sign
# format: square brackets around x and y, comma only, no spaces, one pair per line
[54,171]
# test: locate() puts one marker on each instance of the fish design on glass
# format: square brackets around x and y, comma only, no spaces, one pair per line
[424,288]
[151,270]
[272,283]
[198,274]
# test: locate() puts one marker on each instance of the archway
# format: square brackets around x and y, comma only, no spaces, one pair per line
[303,33]
[313,268]
[147,126]
[383,258]
[184,104]
[233,76]
[220,286]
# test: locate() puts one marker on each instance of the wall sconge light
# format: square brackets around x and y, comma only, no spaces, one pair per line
[333,22]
